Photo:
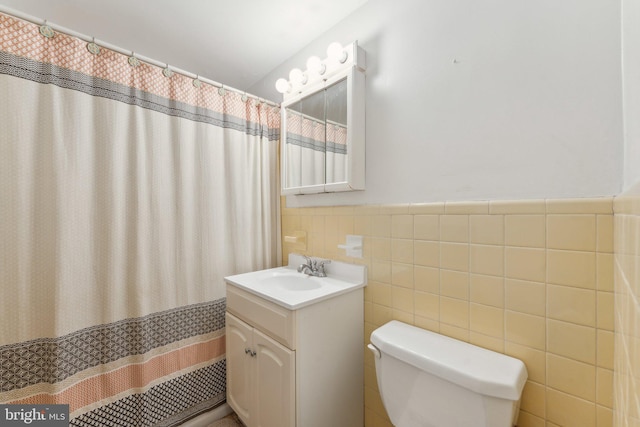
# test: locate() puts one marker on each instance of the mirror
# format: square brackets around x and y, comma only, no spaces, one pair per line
[305,141]
[336,131]
[323,136]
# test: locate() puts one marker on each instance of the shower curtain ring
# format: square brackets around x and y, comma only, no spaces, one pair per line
[46,30]
[196,82]
[133,61]
[93,47]
[222,91]
[167,71]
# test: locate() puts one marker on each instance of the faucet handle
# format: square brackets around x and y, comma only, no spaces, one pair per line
[309,263]
[320,267]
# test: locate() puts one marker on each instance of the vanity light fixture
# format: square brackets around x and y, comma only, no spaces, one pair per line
[338,58]
[297,76]
[336,52]
[283,86]
[315,65]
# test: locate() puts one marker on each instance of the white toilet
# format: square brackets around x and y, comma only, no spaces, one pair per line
[430,380]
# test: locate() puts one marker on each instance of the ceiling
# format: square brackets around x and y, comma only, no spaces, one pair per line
[235,42]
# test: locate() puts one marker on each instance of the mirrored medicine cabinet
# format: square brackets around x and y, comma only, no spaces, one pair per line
[323,132]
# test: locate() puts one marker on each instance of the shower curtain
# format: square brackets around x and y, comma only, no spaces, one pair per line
[126,195]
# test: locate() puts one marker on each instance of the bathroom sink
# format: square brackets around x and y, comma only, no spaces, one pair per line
[295,283]
[290,289]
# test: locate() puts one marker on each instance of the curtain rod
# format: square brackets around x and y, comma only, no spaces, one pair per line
[25,17]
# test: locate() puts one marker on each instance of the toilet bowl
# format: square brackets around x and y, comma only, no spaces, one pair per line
[430,380]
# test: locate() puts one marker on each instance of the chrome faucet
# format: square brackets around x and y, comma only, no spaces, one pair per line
[313,267]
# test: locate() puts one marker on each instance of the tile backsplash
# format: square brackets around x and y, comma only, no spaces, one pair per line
[532,279]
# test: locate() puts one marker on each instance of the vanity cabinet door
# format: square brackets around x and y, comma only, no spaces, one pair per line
[261,383]
[239,368]
[274,383]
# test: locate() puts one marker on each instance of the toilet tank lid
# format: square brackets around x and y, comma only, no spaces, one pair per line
[475,368]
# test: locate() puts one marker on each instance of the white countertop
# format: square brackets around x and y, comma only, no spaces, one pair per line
[288,288]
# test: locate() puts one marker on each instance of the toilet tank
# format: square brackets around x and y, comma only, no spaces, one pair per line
[428,379]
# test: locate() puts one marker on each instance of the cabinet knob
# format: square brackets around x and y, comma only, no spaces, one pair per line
[247,351]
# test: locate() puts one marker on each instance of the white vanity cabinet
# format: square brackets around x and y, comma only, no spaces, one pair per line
[260,376]
[295,367]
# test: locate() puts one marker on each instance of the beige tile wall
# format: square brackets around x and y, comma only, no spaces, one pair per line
[532,279]
[627,309]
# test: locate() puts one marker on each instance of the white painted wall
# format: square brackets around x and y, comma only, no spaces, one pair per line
[532,108]
[631,94]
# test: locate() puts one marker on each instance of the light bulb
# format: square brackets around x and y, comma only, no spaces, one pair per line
[283,86]
[315,64]
[336,52]
[297,76]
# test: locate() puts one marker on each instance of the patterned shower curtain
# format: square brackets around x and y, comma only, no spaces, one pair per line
[126,195]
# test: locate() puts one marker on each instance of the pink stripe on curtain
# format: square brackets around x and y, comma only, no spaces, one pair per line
[125,198]
[137,375]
